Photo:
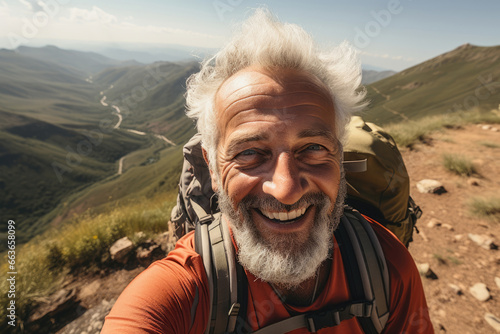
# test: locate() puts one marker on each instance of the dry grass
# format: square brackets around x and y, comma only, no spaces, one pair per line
[486,207]
[407,134]
[43,262]
[459,164]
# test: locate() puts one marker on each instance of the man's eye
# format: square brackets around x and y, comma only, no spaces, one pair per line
[248,152]
[315,147]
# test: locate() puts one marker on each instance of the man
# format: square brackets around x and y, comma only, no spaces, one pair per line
[272,112]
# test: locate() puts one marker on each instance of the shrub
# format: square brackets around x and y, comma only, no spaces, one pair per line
[43,263]
[459,164]
[488,207]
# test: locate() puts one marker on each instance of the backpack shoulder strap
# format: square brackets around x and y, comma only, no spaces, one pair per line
[364,264]
[365,267]
[368,278]
[213,242]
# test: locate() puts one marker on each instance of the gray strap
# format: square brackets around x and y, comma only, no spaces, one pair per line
[314,321]
[222,276]
[355,166]
[372,267]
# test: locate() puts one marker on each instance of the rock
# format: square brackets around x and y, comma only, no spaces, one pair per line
[480,292]
[89,289]
[483,240]
[448,227]
[92,320]
[166,241]
[430,187]
[497,281]
[456,289]
[492,321]
[425,270]
[458,237]
[146,255]
[486,127]
[494,129]
[59,302]
[120,250]
[473,182]
[433,223]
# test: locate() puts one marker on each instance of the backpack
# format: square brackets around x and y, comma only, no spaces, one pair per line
[362,255]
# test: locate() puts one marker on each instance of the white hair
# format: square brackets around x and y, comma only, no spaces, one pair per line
[264,41]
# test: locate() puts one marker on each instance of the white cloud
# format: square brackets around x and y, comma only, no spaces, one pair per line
[94,25]
[96,15]
[27,4]
[4,9]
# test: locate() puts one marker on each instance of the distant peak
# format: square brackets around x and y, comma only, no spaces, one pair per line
[465,46]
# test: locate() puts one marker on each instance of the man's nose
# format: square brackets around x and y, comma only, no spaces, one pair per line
[285,181]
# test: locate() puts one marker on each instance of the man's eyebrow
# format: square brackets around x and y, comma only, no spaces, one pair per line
[319,133]
[233,145]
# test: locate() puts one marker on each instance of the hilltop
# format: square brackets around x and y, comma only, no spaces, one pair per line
[132,115]
[460,80]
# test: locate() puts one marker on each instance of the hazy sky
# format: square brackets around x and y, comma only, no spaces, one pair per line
[389,34]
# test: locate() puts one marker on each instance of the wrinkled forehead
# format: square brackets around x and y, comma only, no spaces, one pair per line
[256,88]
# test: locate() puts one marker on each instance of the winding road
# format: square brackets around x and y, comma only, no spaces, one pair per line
[137,132]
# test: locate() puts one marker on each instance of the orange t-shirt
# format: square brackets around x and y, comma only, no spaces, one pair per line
[160,299]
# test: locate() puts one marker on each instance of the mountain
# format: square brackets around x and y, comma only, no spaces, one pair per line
[87,63]
[55,138]
[69,144]
[371,76]
[462,79]
[151,96]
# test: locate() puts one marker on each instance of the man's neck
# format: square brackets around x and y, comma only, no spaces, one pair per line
[306,292]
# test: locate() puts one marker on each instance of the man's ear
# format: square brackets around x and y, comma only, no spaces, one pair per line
[213,176]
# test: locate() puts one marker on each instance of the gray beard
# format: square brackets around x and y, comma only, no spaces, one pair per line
[284,260]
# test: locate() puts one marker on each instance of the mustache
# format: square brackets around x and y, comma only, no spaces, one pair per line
[269,203]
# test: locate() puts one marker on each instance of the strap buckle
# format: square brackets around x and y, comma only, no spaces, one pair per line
[329,318]
[206,219]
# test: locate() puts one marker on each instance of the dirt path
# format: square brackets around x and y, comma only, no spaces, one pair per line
[451,255]
[388,98]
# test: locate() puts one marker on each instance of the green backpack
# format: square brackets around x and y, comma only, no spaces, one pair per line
[382,192]
[378,186]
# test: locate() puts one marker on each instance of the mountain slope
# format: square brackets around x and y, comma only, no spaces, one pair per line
[151,97]
[465,78]
[86,63]
[371,76]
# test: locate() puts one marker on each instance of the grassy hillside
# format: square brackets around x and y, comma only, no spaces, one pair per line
[461,80]
[78,247]
[151,97]
[41,163]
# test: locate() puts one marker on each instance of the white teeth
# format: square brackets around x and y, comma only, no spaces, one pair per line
[284,216]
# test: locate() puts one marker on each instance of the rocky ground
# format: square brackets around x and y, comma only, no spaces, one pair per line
[456,263]
[444,241]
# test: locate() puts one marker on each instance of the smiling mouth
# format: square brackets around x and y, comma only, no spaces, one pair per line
[284,217]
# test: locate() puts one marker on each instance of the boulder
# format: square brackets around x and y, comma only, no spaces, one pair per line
[166,241]
[120,250]
[483,240]
[425,270]
[57,303]
[146,255]
[91,321]
[430,187]
[492,321]
[480,292]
